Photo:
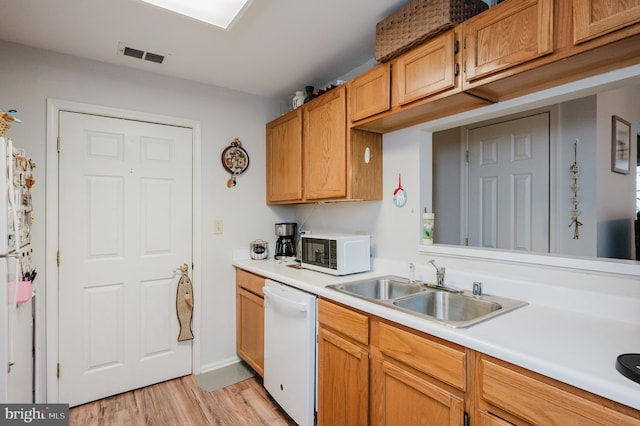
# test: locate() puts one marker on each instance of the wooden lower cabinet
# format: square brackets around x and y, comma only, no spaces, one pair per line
[518,396]
[343,381]
[358,384]
[250,319]
[372,371]
[403,397]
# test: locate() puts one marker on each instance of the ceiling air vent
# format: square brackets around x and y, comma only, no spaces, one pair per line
[154,57]
[134,53]
[125,50]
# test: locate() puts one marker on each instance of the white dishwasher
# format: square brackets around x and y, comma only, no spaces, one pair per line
[290,349]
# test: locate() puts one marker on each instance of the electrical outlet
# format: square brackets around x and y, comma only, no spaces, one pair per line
[218,226]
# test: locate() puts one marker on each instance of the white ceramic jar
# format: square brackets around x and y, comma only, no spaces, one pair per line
[298,99]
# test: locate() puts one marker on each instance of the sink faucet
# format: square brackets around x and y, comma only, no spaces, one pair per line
[439,273]
[412,273]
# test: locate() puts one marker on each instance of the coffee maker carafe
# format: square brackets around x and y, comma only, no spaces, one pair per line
[286,243]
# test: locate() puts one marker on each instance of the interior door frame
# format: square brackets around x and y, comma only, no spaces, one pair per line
[46,380]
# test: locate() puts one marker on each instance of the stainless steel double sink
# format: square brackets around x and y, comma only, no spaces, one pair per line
[442,304]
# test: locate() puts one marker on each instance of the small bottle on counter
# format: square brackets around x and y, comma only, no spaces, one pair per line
[428,224]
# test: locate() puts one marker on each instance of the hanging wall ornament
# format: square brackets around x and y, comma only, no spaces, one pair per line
[235,160]
[574,173]
[184,304]
[399,194]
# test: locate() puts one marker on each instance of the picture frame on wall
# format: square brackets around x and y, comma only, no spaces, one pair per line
[620,145]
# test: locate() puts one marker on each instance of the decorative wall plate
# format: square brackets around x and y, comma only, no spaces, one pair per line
[235,160]
[399,194]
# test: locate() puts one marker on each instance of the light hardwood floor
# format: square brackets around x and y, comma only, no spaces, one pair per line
[182,402]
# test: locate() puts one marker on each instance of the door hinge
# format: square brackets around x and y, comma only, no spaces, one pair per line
[58,258]
[58,370]
[466,156]
[58,144]
[193,266]
[456,70]
[456,46]
[465,422]
[466,241]
[464,42]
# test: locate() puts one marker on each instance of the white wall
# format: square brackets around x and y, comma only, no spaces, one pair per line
[31,76]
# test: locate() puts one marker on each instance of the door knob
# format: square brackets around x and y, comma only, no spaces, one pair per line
[184,268]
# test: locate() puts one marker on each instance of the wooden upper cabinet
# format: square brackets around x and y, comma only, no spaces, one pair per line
[425,70]
[284,158]
[311,157]
[593,18]
[370,93]
[513,33]
[325,154]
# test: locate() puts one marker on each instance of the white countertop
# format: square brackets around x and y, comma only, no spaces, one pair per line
[575,348]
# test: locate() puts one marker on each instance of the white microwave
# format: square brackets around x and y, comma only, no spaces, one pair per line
[336,254]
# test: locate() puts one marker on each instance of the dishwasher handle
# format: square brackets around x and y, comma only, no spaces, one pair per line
[302,307]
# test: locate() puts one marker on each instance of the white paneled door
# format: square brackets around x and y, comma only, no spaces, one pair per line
[508,192]
[125,224]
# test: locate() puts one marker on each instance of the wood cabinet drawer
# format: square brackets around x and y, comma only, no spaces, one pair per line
[250,282]
[345,321]
[529,397]
[440,361]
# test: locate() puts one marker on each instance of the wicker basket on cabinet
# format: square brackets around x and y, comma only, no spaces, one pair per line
[418,21]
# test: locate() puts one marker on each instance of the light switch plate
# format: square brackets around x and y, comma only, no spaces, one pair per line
[218,226]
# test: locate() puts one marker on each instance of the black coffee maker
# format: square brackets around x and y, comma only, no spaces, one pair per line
[286,243]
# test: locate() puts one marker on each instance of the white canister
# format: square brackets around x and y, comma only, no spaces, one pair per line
[258,249]
[298,99]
